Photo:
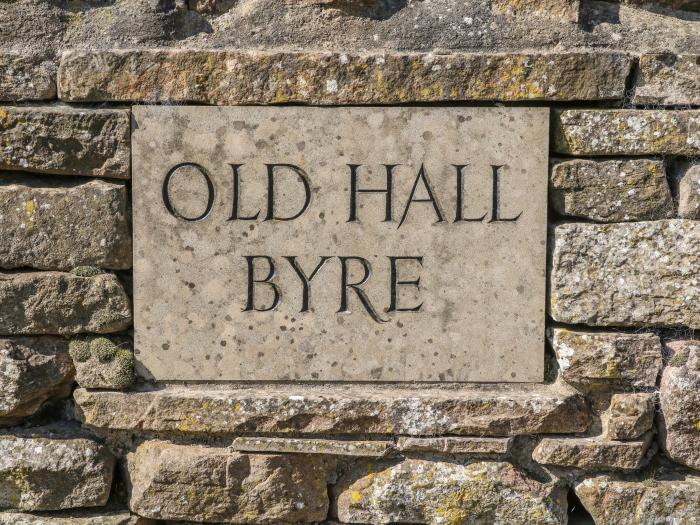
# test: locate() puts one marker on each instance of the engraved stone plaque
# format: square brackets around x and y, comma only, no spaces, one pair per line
[340,244]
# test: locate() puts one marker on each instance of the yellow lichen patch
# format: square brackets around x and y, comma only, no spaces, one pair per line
[356,496]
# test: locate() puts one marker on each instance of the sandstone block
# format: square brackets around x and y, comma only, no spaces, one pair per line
[680,405]
[689,193]
[230,77]
[65,141]
[632,274]
[51,469]
[32,370]
[313,446]
[101,362]
[197,483]
[62,303]
[626,132]
[611,191]
[668,79]
[559,9]
[496,410]
[614,502]
[603,361]
[592,453]
[104,517]
[477,446]
[630,416]
[26,77]
[50,224]
[419,491]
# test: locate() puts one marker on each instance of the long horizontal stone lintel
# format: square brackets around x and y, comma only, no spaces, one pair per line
[229,77]
[484,410]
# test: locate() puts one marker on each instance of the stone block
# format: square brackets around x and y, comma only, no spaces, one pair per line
[56,225]
[686,5]
[65,141]
[178,482]
[668,79]
[630,416]
[81,517]
[689,192]
[631,274]
[567,10]
[611,191]
[473,446]
[230,77]
[101,362]
[592,453]
[62,303]
[328,447]
[604,361]
[26,77]
[626,132]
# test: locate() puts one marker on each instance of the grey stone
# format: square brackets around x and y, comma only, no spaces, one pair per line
[648,502]
[32,370]
[626,132]
[560,9]
[486,410]
[611,191]
[57,225]
[65,141]
[419,491]
[199,483]
[97,517]
[225,77]
[688,5]
[53,468]
[592,453]
[668,79]
[631,274]
[630,416]
[689,193]
[101,362]
[26,76]
[476,446]
[603,361]
[62,303]
[313,446]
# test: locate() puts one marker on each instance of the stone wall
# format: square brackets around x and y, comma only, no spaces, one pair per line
[613,435]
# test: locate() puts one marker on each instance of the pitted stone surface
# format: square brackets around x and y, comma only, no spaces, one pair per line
[631,274]
[668,79]
[593,453]
[560,9]
[314,446]
[630,416]
[689,193]
[476,446]
[96,517]
[26,76]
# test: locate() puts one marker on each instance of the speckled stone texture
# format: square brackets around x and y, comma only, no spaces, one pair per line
[26,76]
[668,79]
[102,362]
[630,416]
[593,453]
[560,9]
[328,447]
[689,192]
[96,517]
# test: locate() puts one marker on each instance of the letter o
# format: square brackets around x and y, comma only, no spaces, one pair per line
[166,192]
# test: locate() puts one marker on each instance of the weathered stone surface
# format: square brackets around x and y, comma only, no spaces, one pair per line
[559,9]
[668,79]
[32,370]
[104,517]
[599,361]
[611,191]
[62,303]
[53,468]
[313,446]
[54,225]
[65,141]
[456,445]
[419,491]
[488,410]
[198,483]
[649,502]
[26,77]
[687,5]
[689,193]
[632,274]
[626,132]
[592,453]
[216,7]
[630,416]
[256,77]
[680,406]
[101,362]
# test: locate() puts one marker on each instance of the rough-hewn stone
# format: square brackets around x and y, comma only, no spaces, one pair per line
[313,446]
[597,361]
[57,225]
[476,446]
[592,453]
[689,193]
[626,132]
[419,491]
[611,191]
[62,303]
[680,406]
[497,410]
[26,77]
[630,416]
[687,5]
[32,370]
[631,274]
[207,484]
[648,502]
[53,468]
[668,79]
[559,9]
[259,77]
[65,141]
[101,362]
[96,517]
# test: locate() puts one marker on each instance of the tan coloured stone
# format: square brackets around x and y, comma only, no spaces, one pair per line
[54,225]
[631,274]
[668,79]
[65,141]
[26,77]
[215,7]
[419,491]
[630,416]
[225,77]
[101,362]
[688,5]
[592,453]
[62,303]
[477,446]
[97,517]
[626,132]
[689,193]
[648,502]
[179,482]
[486,410]
[611,191]
[329,447]
[558,9]
[603,361]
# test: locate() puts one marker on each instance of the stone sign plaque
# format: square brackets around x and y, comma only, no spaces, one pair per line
[340,244]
